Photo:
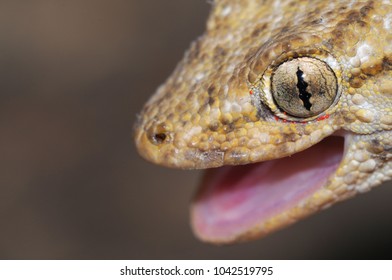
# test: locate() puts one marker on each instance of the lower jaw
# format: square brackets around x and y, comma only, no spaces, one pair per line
[236,200]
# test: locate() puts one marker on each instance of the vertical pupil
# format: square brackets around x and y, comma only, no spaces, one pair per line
[303,94]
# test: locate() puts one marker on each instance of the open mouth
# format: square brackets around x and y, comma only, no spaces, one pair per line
[233,200]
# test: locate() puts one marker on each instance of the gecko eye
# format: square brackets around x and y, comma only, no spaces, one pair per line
[304,87]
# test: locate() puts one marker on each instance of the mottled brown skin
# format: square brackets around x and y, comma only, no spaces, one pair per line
[204,115]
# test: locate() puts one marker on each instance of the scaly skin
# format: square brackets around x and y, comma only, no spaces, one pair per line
[216,108]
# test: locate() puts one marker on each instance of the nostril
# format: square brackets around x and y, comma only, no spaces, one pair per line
[158,134]
[159,138]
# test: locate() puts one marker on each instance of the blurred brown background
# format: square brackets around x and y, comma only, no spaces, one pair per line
[74,74]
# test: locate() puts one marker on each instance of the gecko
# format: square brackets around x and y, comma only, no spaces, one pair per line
[286,104]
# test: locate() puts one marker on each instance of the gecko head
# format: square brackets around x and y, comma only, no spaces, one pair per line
[289,115]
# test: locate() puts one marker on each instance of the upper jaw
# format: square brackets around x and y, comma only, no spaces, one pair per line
[190,147]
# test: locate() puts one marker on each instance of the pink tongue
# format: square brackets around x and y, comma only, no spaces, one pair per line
[234,199]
